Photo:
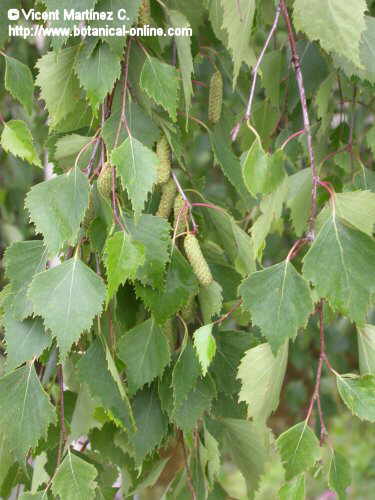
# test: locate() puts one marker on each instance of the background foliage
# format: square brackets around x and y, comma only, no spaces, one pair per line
[188,262]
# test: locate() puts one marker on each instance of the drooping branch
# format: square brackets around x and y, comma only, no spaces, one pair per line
[254,72]
[306,120]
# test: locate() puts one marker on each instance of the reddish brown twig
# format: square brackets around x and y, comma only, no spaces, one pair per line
[229,313]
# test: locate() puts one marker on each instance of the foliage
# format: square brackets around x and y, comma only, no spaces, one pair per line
[188,253]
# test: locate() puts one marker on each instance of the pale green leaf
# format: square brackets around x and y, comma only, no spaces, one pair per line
[185,58]
[185,373]
[57,207]
[16,138]
[262,375]
[211,300]
[358,393]
[23,260]
[40,475]
[136,166]
[366,349]
[213,456]
[25,410]
[339,30]
[339,478]
[82,418]
[145,352]
[19,82]
[205,345]
[295,490]
[7,458]
[154,233]
[24,340]
[94,371]
[122,258]
[98,71]
[160,81]
[248,444]
[299,199]
[75,478]
[58,82]
[299,449]
[279,301]
[151,423]
[78,296]
[341,265]
[271,71]
[238,21]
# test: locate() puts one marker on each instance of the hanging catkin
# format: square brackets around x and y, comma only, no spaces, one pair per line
[215,98]
[167,197]
[197,260]
[164,168]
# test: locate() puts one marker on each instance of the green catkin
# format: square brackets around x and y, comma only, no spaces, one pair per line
[167,197]
[104,183]
[164,168]
[179,213]
[189,310]
[144,16]
[215,97]
[90,212]
[197,260]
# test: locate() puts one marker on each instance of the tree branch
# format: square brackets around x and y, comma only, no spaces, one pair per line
[306,120]
[254,72]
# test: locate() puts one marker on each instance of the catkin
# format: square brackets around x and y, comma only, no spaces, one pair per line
[144,16]
[167,197]
[215,97]
[164,167]
[179,211]
[197,260]
[90,213]
[104,183]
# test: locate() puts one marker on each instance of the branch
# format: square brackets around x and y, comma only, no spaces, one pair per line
[254,72]
[305,114]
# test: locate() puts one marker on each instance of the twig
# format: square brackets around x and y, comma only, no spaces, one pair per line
[293,252]
[316,393]
[187,468]
[293,136]
[254,72]
[229,313]
[184,197]
[87,170]
[62,441]
[305,114]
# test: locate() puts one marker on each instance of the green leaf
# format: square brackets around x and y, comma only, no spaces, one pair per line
[25,410]
[355,207]
[271,71]
[75,478]
[193,407]
[279,301]
[366,349]
[339,478]
[262,173]
[205,345]
[238,21]
[98,71]
[25,340]
[160,81]
[23,260]
[185,373]
[185,59]
[19,82]
[77,298]
[299,199]
[145,352]
[151,423]
[58,82]
[227,160]
[341,29]
[137,168]
[299,449]
[295,490]
[248,444]
[16,138]
[83,415]
[211,300]
[341,265]
[358,393]
[231,347]
[180,284]
[94,371]
[154,233]
[212,455]
[57,207]
[262,375]
[122,258]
